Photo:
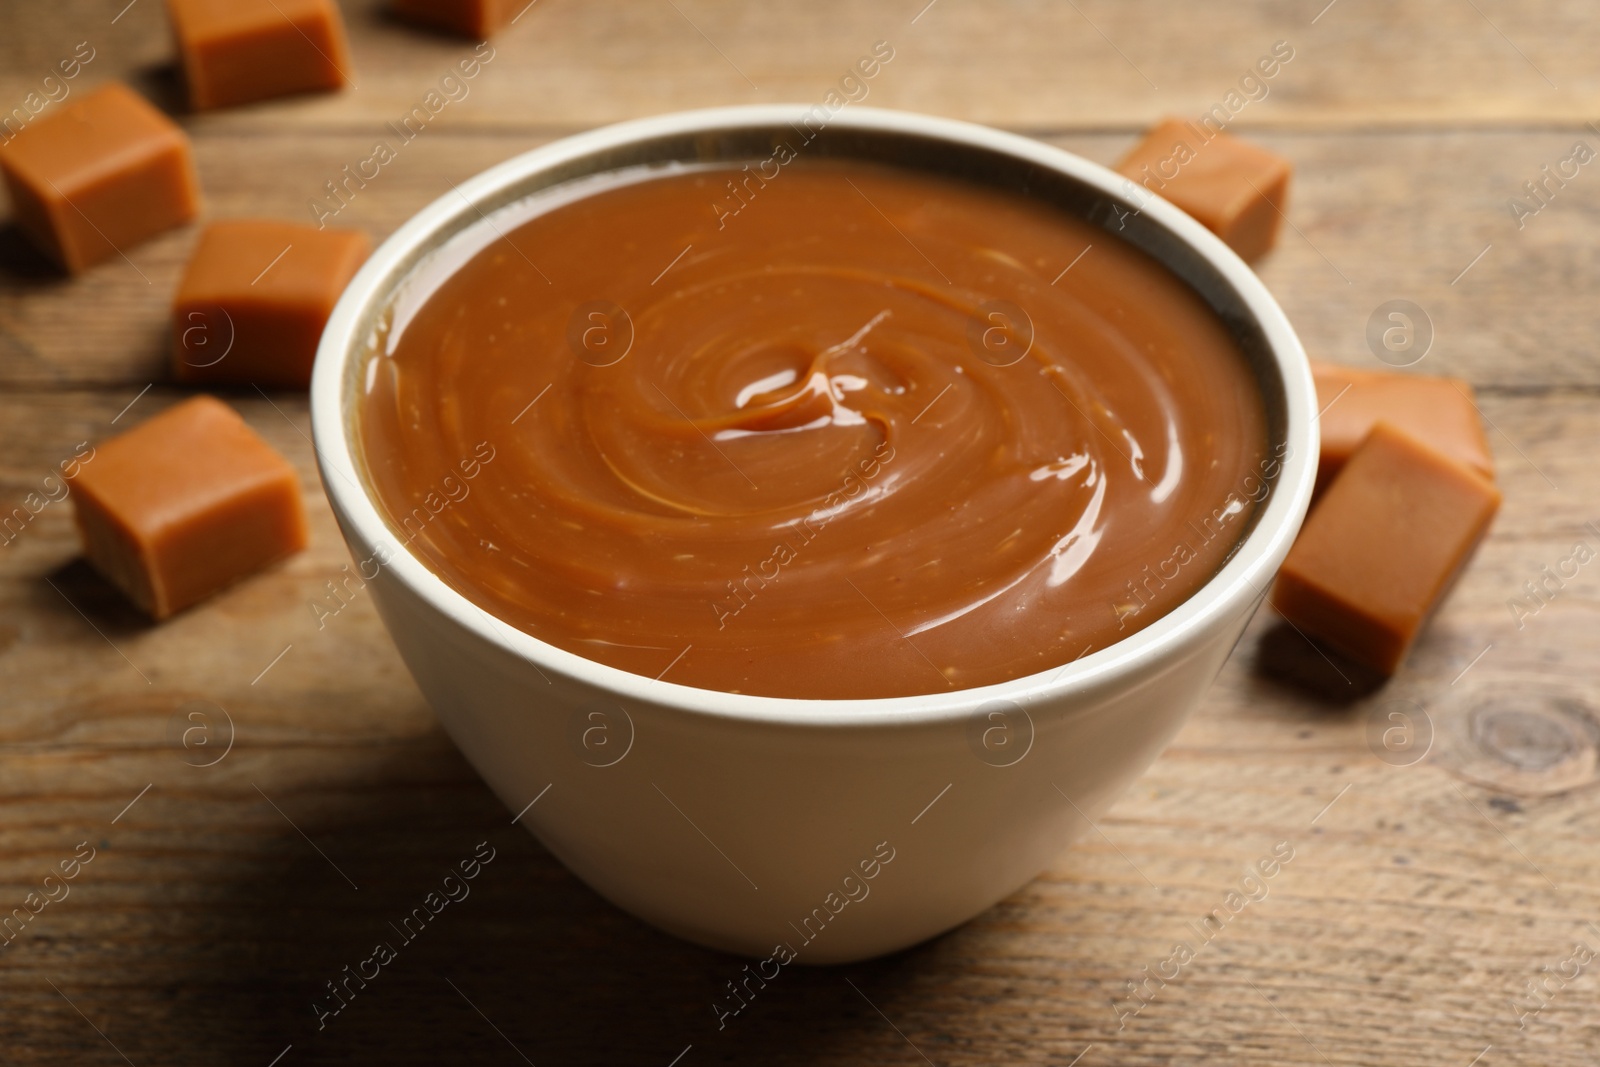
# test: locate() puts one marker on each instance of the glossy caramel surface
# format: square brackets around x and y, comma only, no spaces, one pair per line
[847,431]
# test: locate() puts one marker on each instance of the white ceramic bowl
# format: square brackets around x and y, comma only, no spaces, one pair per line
[840,829]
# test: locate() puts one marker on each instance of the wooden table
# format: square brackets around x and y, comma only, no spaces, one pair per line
[1427,890]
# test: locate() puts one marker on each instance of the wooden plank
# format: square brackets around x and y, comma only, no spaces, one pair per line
[1416,908]
[1423,897]
[1032,64]
[1372,218]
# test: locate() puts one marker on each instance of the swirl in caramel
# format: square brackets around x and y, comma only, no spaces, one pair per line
[881,434]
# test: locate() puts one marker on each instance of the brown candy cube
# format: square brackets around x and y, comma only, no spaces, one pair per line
[1381,549]
[98,176]
[255,297]
[1439,411]
[1434,410]
[477,19]
[239,51]
[185,504]
[1235,189]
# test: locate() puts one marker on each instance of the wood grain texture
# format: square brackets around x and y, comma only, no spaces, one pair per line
[1418,906]
[1033,64]
[1375,217]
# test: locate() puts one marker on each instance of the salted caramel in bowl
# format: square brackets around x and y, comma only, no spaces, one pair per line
[765,497]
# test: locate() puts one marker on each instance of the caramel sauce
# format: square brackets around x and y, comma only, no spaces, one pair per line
[878,433]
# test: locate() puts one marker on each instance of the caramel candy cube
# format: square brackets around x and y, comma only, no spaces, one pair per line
[1440,411]
[477,19]
[255,297]
[99,176]
[186,504]
[1235,189]
[1378,553]
[239,51]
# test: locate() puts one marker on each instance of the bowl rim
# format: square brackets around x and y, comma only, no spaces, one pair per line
[1245,575]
